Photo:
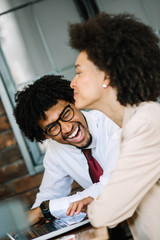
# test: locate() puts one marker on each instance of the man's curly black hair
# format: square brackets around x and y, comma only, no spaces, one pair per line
[124,48]
[35,99]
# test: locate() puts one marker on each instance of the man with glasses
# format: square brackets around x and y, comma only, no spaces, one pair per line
[45,110]
[53,129]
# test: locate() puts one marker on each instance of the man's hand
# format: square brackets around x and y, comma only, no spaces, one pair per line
[79,206]
[34,215]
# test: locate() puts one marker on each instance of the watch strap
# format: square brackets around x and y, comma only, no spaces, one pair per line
[44,206]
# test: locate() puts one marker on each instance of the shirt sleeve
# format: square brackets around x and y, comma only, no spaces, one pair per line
[136,171]
[55,183]
[59,206]
[56,186]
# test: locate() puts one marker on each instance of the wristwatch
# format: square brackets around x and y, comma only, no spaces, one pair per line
[45,210]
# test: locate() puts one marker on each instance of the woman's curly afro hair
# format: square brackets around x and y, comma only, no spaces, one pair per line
[124,48]
[35,99]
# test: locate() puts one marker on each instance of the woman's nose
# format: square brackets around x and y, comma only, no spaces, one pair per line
[73,83]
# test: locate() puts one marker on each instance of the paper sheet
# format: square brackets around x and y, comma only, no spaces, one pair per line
[75,219]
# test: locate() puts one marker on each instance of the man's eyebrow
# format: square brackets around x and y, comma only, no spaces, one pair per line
[48,125]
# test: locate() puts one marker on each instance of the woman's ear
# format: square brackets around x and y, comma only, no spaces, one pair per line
[106,81]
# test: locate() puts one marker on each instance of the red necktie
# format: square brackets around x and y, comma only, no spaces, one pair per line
[95,169]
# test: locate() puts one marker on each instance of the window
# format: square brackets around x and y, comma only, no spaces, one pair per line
[34,42]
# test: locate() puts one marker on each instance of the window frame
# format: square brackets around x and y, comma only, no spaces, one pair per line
[7,91]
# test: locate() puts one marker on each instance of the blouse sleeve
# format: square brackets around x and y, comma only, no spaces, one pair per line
[136,171]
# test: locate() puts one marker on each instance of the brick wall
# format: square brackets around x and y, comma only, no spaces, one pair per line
[15,182]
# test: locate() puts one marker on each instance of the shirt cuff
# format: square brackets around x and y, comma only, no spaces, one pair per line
[58,207]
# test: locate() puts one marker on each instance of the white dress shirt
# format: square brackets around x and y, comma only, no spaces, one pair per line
[64,163]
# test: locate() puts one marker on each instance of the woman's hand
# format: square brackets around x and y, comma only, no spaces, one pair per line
[79,206]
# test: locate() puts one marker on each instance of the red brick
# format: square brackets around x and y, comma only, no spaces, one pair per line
[6,190]
[7,140]
[3,177]
[29,197]
[27,182]
[12,171]
[2,111]
[10,155]
[4,123]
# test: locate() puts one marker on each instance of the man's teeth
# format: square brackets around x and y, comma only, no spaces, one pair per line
[74,133]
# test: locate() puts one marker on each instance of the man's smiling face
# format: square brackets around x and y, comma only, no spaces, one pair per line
[74,132]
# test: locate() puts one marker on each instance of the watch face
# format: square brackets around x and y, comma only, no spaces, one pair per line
[45,205]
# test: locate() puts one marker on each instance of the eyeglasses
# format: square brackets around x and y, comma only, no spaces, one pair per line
[54,128]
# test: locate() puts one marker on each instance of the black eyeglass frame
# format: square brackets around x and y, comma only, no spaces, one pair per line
[57,121]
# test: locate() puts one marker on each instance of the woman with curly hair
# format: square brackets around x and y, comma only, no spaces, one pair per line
[118,73]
